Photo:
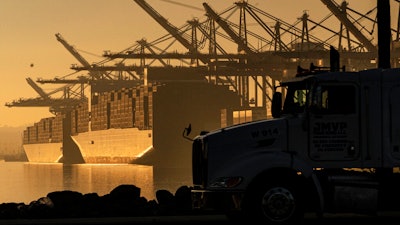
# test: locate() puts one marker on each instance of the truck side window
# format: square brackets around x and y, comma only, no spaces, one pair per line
[334,99]
[295,101]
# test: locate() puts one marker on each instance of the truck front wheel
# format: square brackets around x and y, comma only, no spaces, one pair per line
[276,202]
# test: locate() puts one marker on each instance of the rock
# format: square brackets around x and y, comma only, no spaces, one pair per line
[166,201]
[42,208]
[125,200]
[92,205]
[10,210]
[67,203]
[125,194]
[183,199]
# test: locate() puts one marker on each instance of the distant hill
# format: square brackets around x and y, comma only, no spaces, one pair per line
[11,142]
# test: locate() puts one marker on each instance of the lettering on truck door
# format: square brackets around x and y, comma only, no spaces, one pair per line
[334,123]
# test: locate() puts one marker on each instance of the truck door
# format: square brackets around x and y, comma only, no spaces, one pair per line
[334,122]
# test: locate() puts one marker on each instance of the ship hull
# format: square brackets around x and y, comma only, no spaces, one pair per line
[113,145]
[103,146]
[44,152]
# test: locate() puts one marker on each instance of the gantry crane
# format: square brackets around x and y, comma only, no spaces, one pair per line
[194,53]
[96,72]
[189,42]
[69,99]
[98,77]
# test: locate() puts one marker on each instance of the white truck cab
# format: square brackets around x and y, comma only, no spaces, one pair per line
[332,146]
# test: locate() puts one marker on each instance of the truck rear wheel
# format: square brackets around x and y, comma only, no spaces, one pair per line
[275,203]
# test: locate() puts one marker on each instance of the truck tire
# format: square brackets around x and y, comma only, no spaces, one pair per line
[274,202]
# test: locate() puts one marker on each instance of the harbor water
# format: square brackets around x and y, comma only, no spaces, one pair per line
[24,182]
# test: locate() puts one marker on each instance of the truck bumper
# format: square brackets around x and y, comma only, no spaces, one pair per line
[216,200]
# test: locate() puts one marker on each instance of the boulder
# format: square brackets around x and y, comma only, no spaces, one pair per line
[125,200]
[166,201]
[67,203]
[183,199]
[41,208]
[125,194]
[10,210]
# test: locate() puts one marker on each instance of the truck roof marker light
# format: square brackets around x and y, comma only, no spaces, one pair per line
[226,182]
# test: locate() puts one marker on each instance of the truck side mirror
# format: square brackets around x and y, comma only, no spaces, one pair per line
[187,131]
[276,107]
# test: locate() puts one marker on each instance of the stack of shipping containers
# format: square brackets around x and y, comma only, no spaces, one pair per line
[144,107]
[121,110]
[80,119]
[47,130]
[98,115]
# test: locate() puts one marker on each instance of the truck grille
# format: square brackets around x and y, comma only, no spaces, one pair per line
[199,164]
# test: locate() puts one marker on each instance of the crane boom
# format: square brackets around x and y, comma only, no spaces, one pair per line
[37,88]
[37,102]
[93,73]
[72,50]
[349,25]
[174,31]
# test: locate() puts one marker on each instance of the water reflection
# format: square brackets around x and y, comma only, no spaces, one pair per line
[102,179]
[26,182]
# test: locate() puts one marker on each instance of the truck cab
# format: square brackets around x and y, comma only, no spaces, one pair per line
[333,146]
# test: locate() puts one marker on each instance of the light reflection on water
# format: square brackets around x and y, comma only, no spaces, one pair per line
[26,182]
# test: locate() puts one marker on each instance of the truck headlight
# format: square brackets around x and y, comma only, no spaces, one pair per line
[226,182]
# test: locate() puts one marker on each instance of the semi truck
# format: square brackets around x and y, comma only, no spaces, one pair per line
[332,146]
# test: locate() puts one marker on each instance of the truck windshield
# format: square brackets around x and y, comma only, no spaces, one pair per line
[296,99]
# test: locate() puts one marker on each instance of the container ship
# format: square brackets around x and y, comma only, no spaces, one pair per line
[141,124]
[114,127]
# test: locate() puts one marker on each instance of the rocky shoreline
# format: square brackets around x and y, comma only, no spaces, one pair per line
[123,201]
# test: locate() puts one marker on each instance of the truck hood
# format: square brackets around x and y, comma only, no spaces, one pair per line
[226,149]
[258,134]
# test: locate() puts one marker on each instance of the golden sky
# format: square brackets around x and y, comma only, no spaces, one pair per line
[28,28]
